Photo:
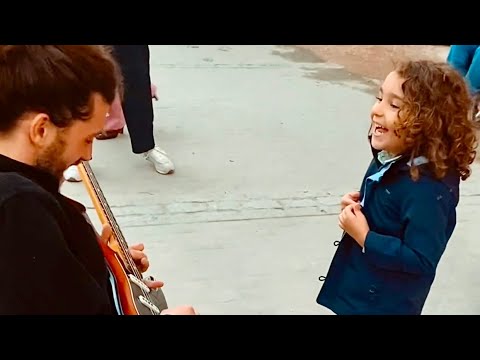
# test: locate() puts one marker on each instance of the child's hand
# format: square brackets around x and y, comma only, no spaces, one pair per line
[352,220]
[349,199]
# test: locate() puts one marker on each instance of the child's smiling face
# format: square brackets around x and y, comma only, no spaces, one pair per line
[384,115]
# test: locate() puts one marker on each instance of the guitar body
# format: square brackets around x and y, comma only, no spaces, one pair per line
[131,295]
[128,291]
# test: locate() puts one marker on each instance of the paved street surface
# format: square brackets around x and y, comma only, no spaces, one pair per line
[266,139]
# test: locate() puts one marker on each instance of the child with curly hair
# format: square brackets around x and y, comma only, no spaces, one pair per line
[396,228]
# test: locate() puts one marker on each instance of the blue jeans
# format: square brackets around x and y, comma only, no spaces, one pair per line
[466,59]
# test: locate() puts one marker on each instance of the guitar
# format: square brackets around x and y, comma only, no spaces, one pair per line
[132,296]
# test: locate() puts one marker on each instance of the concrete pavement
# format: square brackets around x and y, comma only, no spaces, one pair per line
[265,139]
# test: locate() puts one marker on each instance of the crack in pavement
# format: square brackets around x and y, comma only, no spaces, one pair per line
[185,212]
[214,211]
[227,220]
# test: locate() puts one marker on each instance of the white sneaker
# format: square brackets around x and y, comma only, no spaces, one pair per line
[72,174]
[160,160]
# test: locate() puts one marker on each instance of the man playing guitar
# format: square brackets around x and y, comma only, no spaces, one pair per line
[53,102]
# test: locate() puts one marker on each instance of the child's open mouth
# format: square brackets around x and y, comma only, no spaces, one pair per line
[379,130]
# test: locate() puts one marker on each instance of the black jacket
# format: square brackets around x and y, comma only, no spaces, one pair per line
[50,260]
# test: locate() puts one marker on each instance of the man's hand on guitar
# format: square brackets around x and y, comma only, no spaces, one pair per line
[140,258]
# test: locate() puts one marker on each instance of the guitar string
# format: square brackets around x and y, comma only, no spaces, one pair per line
[116,230]
[115,227]
[113,224]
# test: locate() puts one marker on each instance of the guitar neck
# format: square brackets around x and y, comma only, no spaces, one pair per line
[105,213]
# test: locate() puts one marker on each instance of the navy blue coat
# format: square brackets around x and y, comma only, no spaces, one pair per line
[410,224]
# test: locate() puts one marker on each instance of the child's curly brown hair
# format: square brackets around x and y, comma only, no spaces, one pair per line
[436,118]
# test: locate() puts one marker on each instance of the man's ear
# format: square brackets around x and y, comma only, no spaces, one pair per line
[42,130]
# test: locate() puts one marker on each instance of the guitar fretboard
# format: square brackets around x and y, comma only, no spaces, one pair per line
[107,212]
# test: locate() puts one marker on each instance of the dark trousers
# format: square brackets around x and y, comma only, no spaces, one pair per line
[134,61]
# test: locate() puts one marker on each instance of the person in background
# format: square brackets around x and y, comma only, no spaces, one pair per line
[137,108]
[466,60]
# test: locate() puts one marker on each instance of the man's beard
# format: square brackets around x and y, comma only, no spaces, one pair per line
[51,158]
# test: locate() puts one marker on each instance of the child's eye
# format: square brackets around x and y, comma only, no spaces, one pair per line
[378,98]
[395,106]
